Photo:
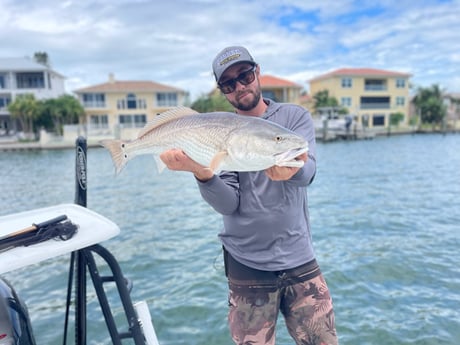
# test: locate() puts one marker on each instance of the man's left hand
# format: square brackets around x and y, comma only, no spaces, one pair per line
[277,173]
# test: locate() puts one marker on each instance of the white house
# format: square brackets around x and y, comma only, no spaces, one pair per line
[25,76]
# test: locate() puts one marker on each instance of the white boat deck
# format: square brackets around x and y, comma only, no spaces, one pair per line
[92,228]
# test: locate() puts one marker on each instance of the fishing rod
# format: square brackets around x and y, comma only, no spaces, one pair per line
[59,228]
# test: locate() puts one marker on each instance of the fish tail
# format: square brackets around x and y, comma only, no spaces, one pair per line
[118,153]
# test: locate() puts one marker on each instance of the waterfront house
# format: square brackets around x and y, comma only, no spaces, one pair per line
[280,90]
[370,95]
[118,109]
[25,76]
[452,103]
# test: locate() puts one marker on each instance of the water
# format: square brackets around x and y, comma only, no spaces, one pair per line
[386,228]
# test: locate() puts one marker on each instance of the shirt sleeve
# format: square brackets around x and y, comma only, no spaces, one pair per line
[221,192]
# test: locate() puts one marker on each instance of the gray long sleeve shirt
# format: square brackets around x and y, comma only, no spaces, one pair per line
[266,223]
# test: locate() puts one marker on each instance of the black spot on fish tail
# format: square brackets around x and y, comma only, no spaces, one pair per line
[117,151]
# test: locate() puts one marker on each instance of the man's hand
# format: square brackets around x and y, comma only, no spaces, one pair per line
[177,160]
[277,173]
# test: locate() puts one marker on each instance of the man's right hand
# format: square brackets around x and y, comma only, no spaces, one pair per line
[177,160]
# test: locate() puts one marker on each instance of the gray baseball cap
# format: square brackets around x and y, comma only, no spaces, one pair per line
[228,57]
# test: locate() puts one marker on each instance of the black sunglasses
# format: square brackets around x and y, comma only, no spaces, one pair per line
[244,78]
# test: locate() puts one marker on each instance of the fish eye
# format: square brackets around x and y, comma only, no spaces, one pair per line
[278,138]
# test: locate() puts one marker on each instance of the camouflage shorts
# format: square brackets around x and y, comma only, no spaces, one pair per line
[303,299]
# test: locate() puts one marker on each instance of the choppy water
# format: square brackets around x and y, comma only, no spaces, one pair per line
[386,228]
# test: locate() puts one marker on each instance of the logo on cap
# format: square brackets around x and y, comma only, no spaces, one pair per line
[229,56]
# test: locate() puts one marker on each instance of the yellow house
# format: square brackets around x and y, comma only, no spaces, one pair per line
[370,95]
[120,108]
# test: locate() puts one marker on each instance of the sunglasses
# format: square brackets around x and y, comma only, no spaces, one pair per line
[244,78]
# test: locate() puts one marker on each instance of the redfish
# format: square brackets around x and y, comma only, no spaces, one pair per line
[217,140]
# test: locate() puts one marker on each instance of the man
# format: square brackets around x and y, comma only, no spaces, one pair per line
[268,253]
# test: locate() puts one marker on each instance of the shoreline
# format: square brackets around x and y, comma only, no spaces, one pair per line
[36,145]
[12,145]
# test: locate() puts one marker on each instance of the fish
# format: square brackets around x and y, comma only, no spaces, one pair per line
[220,141]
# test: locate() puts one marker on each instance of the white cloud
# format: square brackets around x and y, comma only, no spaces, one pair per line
[174,42]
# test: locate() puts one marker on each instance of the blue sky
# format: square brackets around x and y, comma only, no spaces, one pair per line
[174,42]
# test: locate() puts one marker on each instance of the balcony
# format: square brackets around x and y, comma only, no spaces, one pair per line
[94,104]
[367,103]
[375,88]
[375,85]
[374,106]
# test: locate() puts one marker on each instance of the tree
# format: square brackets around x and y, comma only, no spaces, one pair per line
[396,118]
[42,58]
[60,111]
[215,102]
[25,108]
[429,104]
[322,99]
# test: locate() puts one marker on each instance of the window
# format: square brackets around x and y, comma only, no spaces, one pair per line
[131,102]
[30,80]
[400,83]
[2,81]
[133,121]
[121,104]
[400,101]
[345,101]
[269,94]
[166,99]
[378,120]
[93,100]
[99,121]
[347,83]
[4,101]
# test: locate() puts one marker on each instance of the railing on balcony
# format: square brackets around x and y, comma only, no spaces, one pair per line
[94,104]
[375,87]
[374,106]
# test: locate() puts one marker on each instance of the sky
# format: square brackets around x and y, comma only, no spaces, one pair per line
[173,42]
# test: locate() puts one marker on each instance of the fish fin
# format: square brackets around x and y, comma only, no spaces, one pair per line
[159,163]
[217,160]
[117,151]
[165,117]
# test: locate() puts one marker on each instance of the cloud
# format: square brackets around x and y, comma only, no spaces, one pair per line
[174,42]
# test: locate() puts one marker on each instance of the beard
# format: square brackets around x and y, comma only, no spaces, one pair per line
[247,104]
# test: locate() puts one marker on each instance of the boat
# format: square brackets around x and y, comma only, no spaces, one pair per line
[83,246]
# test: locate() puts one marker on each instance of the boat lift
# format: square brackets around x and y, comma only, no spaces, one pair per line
[84,247]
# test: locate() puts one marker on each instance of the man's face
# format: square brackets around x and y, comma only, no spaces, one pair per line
[244,97]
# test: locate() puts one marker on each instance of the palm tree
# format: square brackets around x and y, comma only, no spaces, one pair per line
[73,110]
[25,108]
[42,58]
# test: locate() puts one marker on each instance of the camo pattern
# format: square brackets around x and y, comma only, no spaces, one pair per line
[306,307]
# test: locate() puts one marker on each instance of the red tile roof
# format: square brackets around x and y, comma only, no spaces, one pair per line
[128,86]
[270,81]
[367,72]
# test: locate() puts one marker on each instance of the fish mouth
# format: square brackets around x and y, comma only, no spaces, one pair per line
[287,159]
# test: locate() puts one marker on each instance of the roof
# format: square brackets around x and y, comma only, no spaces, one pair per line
[24,64]
[454,95]
[363,72]
[129,86]
[271,81]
